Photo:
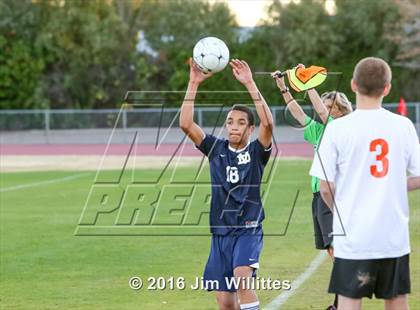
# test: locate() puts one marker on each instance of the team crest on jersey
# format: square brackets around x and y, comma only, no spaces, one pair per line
[244,158]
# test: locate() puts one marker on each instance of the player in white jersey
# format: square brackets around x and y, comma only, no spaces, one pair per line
[363,160]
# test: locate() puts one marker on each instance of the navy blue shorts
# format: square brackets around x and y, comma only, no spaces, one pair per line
[229,252]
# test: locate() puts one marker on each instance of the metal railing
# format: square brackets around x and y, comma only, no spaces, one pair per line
[12,120]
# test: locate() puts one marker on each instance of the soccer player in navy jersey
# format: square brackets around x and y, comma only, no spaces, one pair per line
[236,169]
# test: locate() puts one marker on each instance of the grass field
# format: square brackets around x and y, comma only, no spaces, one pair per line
[44,265]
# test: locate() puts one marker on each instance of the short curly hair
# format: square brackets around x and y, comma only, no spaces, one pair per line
[247,110]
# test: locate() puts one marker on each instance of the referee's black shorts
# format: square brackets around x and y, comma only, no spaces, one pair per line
[323,219]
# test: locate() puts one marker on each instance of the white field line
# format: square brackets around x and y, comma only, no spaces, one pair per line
[277,302]
[52,181]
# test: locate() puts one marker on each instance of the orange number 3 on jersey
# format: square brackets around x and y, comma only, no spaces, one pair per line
[380,157]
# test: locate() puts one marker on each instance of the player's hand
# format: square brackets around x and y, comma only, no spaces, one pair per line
[196,75]
[241,71]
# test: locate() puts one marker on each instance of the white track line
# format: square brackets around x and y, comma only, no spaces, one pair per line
[277,302]
[34,184]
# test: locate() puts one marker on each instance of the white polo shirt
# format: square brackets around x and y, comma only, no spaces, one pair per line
[367,154]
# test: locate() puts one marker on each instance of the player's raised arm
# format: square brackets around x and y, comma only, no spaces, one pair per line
[186,119]
[243,74]
[294,108]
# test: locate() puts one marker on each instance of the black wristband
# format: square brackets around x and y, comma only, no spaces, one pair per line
[286,90]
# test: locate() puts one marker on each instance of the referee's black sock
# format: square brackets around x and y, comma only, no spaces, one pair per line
[336,301]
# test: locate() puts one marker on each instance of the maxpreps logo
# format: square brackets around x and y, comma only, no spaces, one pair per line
[154,186]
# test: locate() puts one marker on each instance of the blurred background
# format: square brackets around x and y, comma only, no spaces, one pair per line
[88,53]
[84,55]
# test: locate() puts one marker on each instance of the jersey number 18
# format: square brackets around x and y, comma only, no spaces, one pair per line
[232,174]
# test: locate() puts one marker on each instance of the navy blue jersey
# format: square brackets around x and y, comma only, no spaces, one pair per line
[235,178]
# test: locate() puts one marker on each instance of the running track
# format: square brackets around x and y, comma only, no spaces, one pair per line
[284,149]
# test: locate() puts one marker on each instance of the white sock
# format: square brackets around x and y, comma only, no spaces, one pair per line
[251,306]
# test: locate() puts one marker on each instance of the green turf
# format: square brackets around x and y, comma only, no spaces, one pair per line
[44,265]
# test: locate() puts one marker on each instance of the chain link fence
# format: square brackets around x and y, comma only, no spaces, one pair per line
[128,118]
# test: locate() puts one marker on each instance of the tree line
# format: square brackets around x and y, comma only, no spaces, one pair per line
[88,53]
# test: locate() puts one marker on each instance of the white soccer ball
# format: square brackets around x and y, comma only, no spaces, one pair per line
[211,54]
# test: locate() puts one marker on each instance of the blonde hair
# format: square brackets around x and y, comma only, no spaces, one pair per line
[340,100]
